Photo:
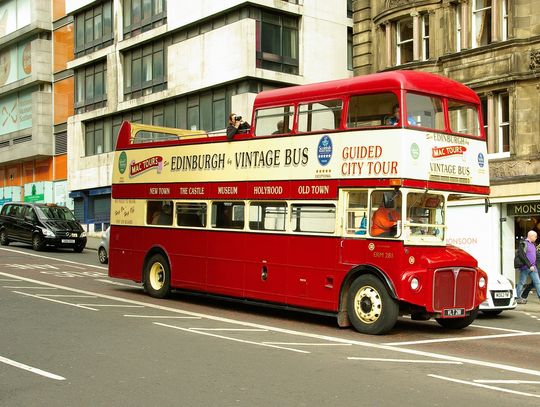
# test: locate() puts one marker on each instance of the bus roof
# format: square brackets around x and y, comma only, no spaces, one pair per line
[416,81]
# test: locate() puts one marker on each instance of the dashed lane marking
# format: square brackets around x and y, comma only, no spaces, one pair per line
[53,300]
[160,317]
[450,379]
[31,369]
[468,338]
[445,362]
[199,332]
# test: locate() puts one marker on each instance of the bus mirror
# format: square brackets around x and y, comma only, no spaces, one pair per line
[487,205]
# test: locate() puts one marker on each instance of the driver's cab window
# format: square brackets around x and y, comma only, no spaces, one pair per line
[357,212]
[385,213]
[425,216]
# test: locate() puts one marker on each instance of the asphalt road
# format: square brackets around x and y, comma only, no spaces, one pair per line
[70,336]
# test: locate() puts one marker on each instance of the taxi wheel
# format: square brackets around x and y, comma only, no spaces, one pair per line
[37,242]
[457,323]
[4,241]
[370,307]
[157,276]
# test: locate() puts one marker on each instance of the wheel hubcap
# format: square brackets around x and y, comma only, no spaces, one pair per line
[368,304]
[157,276]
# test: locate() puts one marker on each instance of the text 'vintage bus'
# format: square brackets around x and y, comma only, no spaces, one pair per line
[334,202]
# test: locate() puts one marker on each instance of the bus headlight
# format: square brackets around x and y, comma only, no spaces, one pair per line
[482,282]
[414,283]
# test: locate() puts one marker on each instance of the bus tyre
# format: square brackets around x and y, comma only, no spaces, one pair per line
[458,323]
[157,277]
[370,307]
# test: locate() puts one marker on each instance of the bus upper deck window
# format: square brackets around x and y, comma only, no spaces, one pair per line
[425,111]
[463,118]
[370,110]
[318,116]
[275,120]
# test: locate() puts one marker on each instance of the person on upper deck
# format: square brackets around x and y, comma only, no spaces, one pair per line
[393,119]
[236,125]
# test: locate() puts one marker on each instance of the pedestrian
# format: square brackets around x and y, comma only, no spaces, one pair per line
[527,253]
[527,289]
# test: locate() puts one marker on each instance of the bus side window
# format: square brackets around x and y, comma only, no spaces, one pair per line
[267,215]
[370,110]
[159,213]
[275,120]
[228,215]
[320,116]
[192,214]
[357,211]
[315,218]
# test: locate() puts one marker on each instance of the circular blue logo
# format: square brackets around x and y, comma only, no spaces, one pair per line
[324,150]
[481,160]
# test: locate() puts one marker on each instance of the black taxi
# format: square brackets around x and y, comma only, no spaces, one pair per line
[41,225]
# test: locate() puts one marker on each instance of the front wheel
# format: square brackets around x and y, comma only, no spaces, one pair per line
[102,255]
[4,241]
[458,323]
[157,276]
[37,242]
[79,248]
[370,307]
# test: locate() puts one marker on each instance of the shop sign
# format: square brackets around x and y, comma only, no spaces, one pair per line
[525,208]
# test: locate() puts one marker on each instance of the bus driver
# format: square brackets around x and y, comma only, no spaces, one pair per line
[385,219]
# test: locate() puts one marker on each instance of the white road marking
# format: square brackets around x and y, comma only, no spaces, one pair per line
[10,279]
[160,317]
[57,301]
[52,258]
[508,381]
[28,288]
[196,331]
[67,295]
[468,338]
[307,344]
[113,305]
[102,280]
[231,329]
[31,369]
[484,386]
[482,363]
[407,360]
[493,328]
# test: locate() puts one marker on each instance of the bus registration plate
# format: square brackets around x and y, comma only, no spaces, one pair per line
[453,312]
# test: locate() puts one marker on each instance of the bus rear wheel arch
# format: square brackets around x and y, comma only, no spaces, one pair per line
[157,276]
[370,307]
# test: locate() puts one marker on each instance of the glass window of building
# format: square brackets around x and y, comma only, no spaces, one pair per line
[404,41]
[425,37]
[481,23]
[143,15]
[91,87]
[93,29]
[277,48]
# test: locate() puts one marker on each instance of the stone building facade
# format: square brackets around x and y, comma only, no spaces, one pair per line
[493,46]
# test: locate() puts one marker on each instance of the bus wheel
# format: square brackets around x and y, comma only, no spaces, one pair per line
[457,323]
[157,277]
[370,307]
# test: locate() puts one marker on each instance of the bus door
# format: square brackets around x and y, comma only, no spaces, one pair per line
[312,279]
[266,256]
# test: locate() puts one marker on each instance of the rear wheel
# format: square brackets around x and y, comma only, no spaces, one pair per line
[157,277]
[102,255]
[458,323]
[37,242]
[4,241]
[370,307]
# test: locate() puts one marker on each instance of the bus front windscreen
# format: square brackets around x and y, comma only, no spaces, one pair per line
[425,216]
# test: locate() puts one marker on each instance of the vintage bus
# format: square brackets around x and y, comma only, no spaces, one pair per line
[285,213]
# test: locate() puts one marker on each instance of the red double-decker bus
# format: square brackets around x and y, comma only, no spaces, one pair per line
[334,202]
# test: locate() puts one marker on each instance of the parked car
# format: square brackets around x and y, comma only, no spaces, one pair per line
[501,296]
[103,248]
[41,225]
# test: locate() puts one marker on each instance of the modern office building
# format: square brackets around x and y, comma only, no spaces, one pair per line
[186,64]
[493,46]
[33,164]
